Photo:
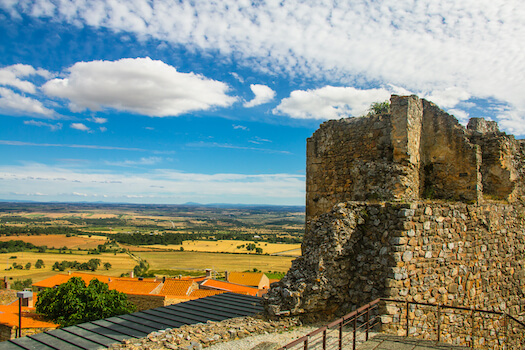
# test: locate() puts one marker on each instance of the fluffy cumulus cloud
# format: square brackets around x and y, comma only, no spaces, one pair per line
[263,94]
[423,45]
[17,104]
[330,102]
[142,85]
[157,186]
[13,89]
[449,97]
[11,76]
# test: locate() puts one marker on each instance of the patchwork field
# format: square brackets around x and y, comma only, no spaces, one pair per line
[120,262]
[216,261]
[273,232]
[230,246]
[59,241]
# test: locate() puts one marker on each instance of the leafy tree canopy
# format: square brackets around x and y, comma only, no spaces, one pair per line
[74,302]
[378,108]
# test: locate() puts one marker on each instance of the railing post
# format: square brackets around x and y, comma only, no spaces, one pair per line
[367,322]
[408,306]
[341,334]
[355,331]
[505,323]
[439,322]
[472,328]
[306,344]
[324,339]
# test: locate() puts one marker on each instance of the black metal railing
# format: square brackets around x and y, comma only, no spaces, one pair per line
[467,325]
[492,329]
[341,332]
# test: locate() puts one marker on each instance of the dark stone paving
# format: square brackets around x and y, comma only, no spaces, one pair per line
[392,342]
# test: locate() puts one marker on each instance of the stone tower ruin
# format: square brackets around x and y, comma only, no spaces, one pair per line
[409,205]
[416,152]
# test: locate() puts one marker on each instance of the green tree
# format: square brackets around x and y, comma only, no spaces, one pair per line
[107,266]
[39,264]
[28,266]
[378,108]
[74,302]
[22,284]
[93,264]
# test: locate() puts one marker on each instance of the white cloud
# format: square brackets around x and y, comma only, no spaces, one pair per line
[241,127]
[80,126]
[263,94]
[10,76]
[423,45]
[226,145]
[53,127]
[34,144]
[140,85]
[330,102]
[448,97]
[99,120]
[16,104]
[103,129]
[156,186]
[141,161]
[512,121]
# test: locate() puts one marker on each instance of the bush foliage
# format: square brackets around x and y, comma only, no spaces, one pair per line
[74,302]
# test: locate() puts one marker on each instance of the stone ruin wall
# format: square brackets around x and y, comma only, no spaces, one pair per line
[410,206]
[417,151]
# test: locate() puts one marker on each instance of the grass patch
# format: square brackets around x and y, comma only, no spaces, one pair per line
[171,273]
[275,275]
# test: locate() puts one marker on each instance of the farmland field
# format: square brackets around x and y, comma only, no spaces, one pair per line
[216,261]
[266,238]
[58,241]
[229,246]
[120,262]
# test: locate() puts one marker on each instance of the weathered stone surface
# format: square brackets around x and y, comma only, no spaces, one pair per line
[417,151]
[402,206]
[202,335]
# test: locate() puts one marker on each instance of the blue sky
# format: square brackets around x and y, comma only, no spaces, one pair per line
[212,101]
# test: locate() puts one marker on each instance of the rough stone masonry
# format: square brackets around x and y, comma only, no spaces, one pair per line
[409,205]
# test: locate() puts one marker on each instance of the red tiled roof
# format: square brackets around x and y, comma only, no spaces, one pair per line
[176,287]
[30,319]
[246,278]
[202,293]
[122,284]
[229,287]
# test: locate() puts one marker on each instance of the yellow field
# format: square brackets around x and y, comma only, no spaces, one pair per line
[59,241]
[229,246]
[177,260]
[120,263]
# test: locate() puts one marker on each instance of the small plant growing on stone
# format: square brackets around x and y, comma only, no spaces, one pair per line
[378,108]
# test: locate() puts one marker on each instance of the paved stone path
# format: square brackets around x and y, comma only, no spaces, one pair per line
[391,342]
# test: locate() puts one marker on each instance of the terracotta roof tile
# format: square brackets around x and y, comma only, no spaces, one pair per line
[30,319]
[246,278]
[121,284]
[133,286]
[229,287]
[202,293]
[176,287]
